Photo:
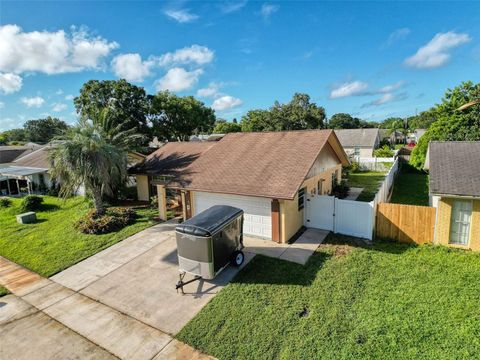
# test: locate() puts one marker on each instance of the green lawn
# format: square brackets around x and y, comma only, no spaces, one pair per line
[392,301]
[3,291]
[52,244]
[370,181]
[411,187]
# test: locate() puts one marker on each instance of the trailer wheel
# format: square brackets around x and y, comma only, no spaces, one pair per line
[237,258]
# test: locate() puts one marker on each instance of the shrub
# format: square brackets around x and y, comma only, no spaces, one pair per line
[384,151]
[114,219]
[5,202]
[341,190]
[31,203]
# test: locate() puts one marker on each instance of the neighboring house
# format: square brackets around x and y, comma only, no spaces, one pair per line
[268,175]
[204,137]
[454,168]
[393,137]
[29,172]
[26,173]
[359,142]
[418,133]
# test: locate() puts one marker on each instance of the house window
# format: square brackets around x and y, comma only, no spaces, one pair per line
[301,198]
[356,151]
[334,178]
[460,222]
[320,187]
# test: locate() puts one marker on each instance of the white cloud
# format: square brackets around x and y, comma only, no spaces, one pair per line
[211,91]
[436,52]
[385,99]
[398,34]
[69,97]
[178,79]
[10,83]
[195,54]
[391,87]
[225,103]
[36,101]
[349,89]
[232,6]
[57,107]
[131,67]
[267,10]
[50,52]
[181,15]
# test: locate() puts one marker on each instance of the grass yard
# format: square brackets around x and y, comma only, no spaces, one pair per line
[411,187]
[370,181]
[392,301]
[3,291]
[52,244]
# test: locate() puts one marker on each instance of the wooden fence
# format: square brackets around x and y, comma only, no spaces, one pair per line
[405,223]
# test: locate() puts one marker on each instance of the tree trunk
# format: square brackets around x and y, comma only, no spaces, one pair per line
[97,201]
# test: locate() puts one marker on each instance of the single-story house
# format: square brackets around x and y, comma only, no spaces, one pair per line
[268,175]
[454,168]
[359,142]
[29,172]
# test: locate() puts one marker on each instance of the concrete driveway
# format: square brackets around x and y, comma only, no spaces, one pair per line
[137,277]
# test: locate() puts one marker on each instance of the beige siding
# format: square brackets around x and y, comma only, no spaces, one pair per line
[142,187]
[442,230]
[291,219]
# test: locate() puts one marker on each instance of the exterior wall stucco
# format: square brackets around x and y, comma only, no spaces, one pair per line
[142,187]
[442,230]
[292,219]
[364,152]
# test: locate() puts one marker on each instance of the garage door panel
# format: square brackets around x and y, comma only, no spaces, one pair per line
[257,211]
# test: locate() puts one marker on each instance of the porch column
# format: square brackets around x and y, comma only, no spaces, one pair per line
[185,205]
[18,187]
[275,220]
[162,202]
[8,186]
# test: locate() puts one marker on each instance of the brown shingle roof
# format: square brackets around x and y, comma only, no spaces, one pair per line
[269,164]
[172,159]
[454,167]
[9,153]
[36,159]
[357,137]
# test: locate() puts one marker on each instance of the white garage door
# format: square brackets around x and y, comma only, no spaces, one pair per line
[257,211]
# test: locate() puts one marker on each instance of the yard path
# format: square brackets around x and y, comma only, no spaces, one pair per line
[47,320]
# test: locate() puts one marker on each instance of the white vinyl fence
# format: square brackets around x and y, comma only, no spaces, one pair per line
[353,218]
[374,163]
[386,187]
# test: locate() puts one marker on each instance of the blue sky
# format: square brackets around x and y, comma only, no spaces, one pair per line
[370,59]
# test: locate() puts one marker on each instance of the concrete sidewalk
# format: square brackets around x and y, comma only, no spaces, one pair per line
[298,252]
[42,319]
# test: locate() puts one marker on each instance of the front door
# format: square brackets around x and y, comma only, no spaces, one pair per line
[319,212]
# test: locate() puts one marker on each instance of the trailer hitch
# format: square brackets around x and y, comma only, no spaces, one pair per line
[181,283]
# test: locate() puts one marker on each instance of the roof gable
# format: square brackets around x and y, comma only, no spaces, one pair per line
[358,137]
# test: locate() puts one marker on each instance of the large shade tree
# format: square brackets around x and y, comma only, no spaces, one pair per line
[453,121]
[176,118]
[298,114]
[44,130]
[128,105]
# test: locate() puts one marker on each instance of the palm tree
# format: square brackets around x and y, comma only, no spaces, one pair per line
[87,157]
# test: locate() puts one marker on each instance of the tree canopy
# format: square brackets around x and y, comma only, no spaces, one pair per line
[226,127]
[128,104]
[346,121]
[176,118]
[298,114]
[451,124]
[44,130]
